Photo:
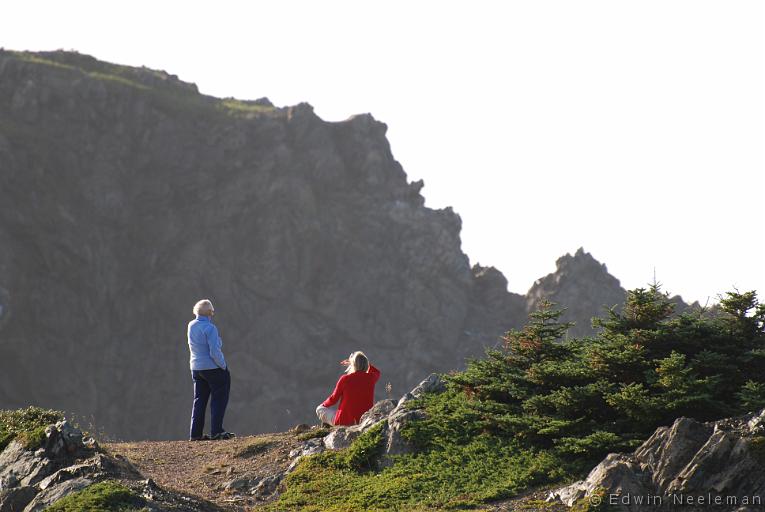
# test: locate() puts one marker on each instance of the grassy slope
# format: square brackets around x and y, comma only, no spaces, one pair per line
[167,92]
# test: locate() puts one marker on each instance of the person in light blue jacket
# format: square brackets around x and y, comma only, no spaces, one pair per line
[209,372]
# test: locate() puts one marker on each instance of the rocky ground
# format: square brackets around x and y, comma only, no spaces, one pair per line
[33,479]
[689,466]
[234,473]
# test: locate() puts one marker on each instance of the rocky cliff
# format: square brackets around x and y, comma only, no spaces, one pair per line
[126,195]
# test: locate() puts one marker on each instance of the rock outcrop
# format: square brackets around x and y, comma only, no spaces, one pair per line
[390,415]
[32,480]
[125,196]
[584,287]
[689,466]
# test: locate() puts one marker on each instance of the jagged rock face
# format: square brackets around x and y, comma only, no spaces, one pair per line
[690,466]
[126,196]
[582,285]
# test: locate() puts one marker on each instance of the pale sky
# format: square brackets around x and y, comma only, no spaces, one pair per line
[634,129]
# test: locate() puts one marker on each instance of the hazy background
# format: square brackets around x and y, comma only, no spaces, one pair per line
[634,129]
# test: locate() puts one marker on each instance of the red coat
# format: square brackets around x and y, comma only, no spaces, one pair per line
[356,393]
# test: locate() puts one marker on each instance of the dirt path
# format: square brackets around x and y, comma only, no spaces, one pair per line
[203,468]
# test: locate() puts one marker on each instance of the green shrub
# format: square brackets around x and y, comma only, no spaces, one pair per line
[544,409]
[364,451]
[108,496]
[28,425]
[33,439]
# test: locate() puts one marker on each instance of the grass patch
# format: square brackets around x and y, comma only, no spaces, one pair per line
[459,476]
[239,107]
[33,439]
[313,434]
[167,95]
[109,496]
[28,57]
[118,79]
[363,453]
[26,425]
[256,447]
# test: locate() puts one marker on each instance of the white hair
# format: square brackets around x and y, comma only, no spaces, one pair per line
[204,307]
[358,362]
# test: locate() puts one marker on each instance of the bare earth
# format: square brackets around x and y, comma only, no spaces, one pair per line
[202,468]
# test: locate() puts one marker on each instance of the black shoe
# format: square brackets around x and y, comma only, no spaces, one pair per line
[204,437]
[221,436]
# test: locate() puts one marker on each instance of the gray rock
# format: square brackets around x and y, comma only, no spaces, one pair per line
[267,486]
[432,384]
[310,447]
[63,440]
[96,467]
[377,413]
[25,467]
[341,437]
[396,444]
[238,484]
[14,500]
[722,458]
[56,492]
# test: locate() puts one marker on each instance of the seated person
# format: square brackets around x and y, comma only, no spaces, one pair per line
[355,391]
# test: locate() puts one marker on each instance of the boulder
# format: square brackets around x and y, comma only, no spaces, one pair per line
[267,486]
[63,440]
[377,413]
[238,484]
[716,460]
[341,437]
[396,444]
[54,493]
[23,466]
[14,500]
[432,384]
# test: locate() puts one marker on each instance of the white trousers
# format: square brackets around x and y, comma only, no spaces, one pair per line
[326,414]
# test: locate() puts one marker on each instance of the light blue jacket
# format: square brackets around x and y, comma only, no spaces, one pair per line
[205,345]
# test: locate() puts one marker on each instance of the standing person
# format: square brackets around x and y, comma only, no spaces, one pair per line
[355,391]
[209,373]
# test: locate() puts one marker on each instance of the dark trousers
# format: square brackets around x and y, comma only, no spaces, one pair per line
[207,383]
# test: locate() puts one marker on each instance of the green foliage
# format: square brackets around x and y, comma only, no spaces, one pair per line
[461,476]
[108,496]
[364,451]
[243,108]
[34,439]
[752,395]
[313,434]
[544,409]
[28,425]
[607,393]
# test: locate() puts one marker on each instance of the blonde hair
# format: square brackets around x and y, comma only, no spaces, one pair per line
[358,362]
[204,307]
